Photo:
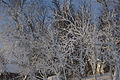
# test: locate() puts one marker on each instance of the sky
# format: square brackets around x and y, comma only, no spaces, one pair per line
[95,7]
[95,10]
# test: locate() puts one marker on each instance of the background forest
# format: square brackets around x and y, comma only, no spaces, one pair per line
[44,38]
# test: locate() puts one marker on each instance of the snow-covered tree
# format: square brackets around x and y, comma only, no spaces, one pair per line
[66,44]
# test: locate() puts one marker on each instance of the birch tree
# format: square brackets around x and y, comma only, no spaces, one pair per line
[109,33]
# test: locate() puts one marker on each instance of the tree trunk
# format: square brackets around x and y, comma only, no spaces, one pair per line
[25,77]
